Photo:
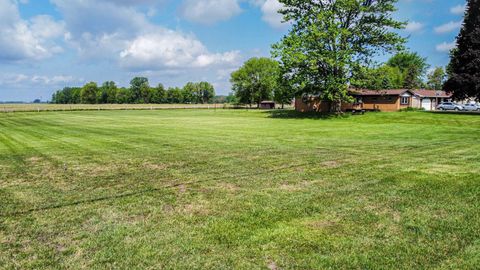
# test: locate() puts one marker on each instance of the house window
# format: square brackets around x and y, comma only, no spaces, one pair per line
[404,101]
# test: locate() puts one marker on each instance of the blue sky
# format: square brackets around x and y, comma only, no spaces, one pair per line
[48,44]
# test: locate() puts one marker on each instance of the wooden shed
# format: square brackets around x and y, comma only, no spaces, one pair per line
[267,105]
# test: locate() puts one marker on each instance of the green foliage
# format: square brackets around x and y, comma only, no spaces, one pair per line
[403,70]
[412,66]
[190,93]
[89,92]
[175,95]
[69,95]
[139,92]
[124,95]
[256,80]
[159,94]
[201,92]
[436,78]
[384,77]
[328,38]
[284,91]
[464,67]
[412,109]
[107,93]
[205,92]
[232,98]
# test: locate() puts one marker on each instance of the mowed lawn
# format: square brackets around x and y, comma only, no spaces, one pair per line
[198,189]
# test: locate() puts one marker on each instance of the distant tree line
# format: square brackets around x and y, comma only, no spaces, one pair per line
[139,92]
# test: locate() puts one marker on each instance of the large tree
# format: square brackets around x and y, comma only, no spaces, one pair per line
[206,92]
[190,94]
[256,80]
[107,93]
[175,95]
[159,94]
[141,92]
[88,94]
[464,68]
[123,96]
[329,37]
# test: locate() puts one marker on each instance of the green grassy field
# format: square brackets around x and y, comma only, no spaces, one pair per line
[199,189]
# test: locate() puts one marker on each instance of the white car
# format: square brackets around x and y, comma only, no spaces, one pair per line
[449,106]
[471,108]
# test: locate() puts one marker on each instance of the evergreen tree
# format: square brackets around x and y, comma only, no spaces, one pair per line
[464,68]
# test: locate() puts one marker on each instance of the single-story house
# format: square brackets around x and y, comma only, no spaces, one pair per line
[267,105]
[378,100]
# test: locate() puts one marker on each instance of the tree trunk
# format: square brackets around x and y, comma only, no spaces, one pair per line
[336,107]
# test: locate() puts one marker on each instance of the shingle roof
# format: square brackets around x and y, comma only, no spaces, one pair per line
[398,92]
[384,92]
[432,93]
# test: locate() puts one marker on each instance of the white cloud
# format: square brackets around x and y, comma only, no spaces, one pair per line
[46,27]
[448,27]
[270,13]
[22,80]
[170,49]
[33,39]
[209,11]
[413,27]
[445,46]
[127,37]
[458,10]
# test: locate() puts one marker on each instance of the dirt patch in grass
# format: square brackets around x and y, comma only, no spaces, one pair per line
[197,209]
[229,187]
[323,225]
[291,187]
[331,164]
[156,166]
[441,168]
[34,160]
[182,189]
[272,265]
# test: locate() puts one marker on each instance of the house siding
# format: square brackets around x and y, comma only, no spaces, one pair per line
[381,103]
[316,105]
[390,101]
